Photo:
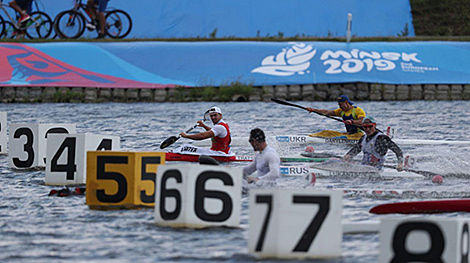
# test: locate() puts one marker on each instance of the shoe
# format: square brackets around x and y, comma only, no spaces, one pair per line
[23,21]
[24,18]
[100,36]
[90,26]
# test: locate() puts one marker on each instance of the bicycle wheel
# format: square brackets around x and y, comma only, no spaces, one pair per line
[69,24]
[2,26]
[40,25]
[9,30]
[118,24]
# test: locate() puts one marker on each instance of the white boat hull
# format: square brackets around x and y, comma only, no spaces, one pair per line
[310,172]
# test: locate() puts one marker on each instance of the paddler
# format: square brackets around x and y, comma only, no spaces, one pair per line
[266,163]
[352,118]
[374,146]
[219,134]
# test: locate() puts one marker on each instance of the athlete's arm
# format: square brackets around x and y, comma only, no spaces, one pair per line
[355,150]
[384,143]
[361,114]
[327,112]
[250,168]
[203,125]
[198,136]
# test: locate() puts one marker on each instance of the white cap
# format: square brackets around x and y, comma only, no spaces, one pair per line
[215,109]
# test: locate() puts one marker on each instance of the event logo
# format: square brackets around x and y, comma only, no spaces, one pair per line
[288,62]
[355,61]
[297,59]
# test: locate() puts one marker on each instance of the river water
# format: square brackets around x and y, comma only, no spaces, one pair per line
[37,228]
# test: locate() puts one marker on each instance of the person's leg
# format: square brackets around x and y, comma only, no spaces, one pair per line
[15,6]
[90,9]
[21,6]
[101,8]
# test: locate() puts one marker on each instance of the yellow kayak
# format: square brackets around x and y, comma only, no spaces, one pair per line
[337,135]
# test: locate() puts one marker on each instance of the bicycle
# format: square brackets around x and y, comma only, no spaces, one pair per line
[72,23]
[39,26]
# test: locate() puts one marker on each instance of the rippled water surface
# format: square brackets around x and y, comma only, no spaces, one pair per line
[38,228]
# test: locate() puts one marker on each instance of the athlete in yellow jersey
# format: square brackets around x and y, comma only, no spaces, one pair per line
[352,118]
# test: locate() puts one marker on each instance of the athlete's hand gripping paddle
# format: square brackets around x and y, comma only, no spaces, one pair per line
[173,139]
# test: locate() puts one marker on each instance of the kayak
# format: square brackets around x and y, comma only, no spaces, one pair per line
[340,168]
[424,207]
[284,140]
[170,157]
[312,172]
[306,139]
[338,135]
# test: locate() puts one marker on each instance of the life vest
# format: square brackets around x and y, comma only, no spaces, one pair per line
[371,156]
[350,128]
[222,144]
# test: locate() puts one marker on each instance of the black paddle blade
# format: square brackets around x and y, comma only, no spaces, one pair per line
[168,142]
[204,159]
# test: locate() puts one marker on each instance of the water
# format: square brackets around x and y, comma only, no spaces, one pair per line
[38,228]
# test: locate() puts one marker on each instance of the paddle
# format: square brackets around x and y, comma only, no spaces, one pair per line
[205,159]
[425,173]
[173,139]
[283,102]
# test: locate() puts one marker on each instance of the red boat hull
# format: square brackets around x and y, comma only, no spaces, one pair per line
[423,207]
[172,157]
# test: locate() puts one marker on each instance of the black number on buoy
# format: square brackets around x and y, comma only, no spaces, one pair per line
[202,193]
[148,176]
[70,167]
[28,148]
[312,230]
[165,193]
[401,254]
[120,179]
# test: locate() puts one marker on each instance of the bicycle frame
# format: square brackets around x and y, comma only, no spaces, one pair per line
[82,8]
[14,21]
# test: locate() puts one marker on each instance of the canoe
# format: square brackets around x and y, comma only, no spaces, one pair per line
[305,139]
[423,207]
[170,157]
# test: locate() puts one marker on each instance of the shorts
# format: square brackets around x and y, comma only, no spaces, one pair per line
[25,5]
[102,4]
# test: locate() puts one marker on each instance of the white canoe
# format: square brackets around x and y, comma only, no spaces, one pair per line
[305,139]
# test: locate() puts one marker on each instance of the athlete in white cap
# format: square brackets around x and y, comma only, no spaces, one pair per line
[219,133]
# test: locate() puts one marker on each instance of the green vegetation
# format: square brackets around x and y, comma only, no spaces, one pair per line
[228,92]
[68,96]
[441,17]
[433,20]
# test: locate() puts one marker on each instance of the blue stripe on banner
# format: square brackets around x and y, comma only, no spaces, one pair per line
[270,63]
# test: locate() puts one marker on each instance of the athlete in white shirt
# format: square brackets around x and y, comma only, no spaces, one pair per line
[266,163]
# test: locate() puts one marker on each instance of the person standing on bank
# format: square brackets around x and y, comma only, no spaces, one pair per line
[219,133]
[266,163]
[352,117]
[374,146]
